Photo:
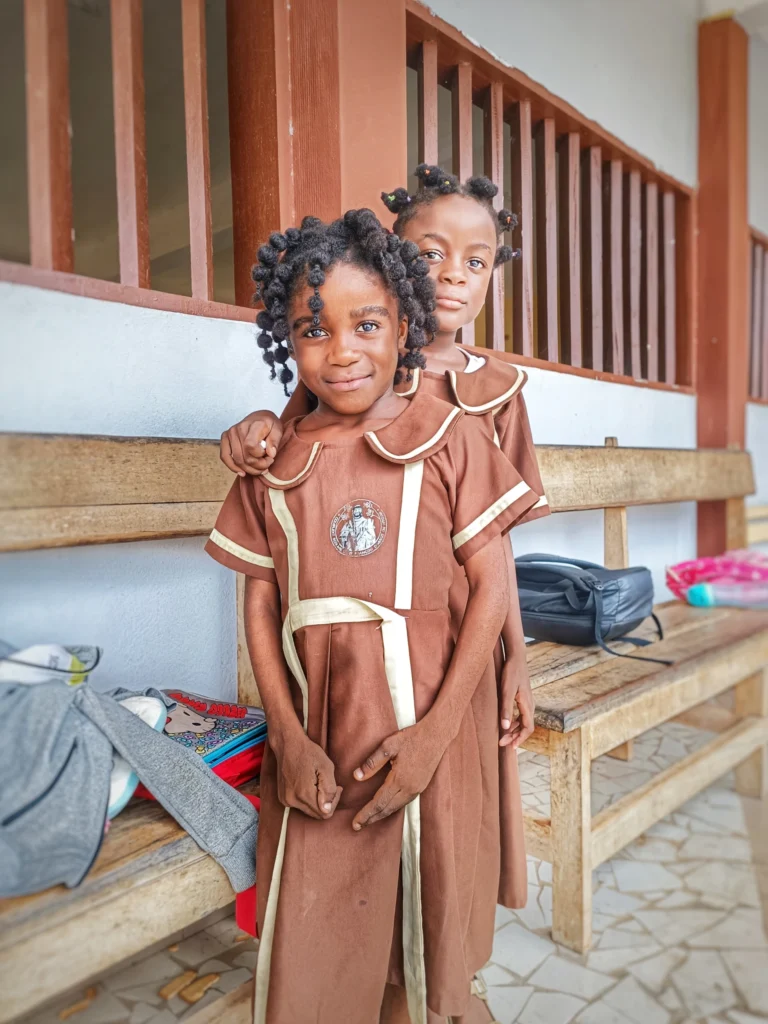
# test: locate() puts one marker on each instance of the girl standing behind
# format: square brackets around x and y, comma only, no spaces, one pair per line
[458,233]
[349,543]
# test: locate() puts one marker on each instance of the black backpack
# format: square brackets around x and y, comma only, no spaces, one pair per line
[569,601]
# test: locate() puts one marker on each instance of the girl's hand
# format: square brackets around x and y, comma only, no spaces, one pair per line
[516,696]
[251,445]
[306,778]
[414,755]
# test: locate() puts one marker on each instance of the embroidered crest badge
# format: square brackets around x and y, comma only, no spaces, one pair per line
[358,528]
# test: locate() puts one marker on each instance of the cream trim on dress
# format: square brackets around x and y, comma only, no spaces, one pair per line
[287,483]
[239,551]
[490,514]
[422,447]
[486,406]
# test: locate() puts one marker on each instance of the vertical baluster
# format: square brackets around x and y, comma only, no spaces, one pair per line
[130,142]
[494,168]
[613,282]
[632,271]
[649,306]
[667,341]
[522,198]
[569,204]
[764,336]
[49,164]
[592,256]
[428,103]
[546,240]
[685,289]
[198,159]
[462,147]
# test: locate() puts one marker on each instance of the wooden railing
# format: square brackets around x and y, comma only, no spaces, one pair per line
[758,317]
[49,160]
[605,277]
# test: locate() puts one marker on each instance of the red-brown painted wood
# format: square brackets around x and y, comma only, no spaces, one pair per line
[428,147]
[522,200]
[259,94]
[667,288]
[764,336]
[632,272]
[494,169]
[49,165]
[130,141]
[723,286]
[592,256]
[613,274]
[198,156]
[569,204]
[462,147]
[686,300]
[546,241]
[649,309]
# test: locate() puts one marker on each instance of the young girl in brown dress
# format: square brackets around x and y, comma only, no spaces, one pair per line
[457,231]
[378,858]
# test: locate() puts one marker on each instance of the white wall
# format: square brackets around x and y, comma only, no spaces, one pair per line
[164,611]
[630,65]
[566,409]
[758,136]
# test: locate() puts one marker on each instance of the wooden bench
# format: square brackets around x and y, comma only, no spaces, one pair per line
[151,880]
[589,703]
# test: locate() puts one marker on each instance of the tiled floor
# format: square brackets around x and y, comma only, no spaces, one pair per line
[679,927]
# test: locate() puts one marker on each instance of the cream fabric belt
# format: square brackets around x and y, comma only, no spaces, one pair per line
[397,666]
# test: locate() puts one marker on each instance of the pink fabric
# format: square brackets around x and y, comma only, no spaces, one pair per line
[732,567]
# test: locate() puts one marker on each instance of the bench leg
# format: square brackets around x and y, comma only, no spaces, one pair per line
[751,698]
[624,751]
[570,763]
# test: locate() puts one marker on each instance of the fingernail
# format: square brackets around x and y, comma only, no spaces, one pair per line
[327,807]
[505,723]
[357,827]
[263,444]
[358,773]
[240,472]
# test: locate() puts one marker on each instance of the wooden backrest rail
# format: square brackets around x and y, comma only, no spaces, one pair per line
[64,490]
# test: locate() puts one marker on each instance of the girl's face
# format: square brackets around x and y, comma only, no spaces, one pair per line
[457,238]
[349,361]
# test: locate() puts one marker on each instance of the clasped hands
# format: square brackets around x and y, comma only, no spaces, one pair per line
[307,779]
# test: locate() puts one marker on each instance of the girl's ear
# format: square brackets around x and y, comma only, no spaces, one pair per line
[402,332]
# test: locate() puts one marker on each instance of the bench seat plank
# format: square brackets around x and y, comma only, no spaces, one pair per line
[149,881]
[548,662]
[740,636]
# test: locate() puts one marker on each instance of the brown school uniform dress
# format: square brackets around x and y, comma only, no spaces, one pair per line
[362,539]
[493,394]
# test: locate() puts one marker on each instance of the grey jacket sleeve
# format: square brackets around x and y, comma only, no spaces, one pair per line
[220,820]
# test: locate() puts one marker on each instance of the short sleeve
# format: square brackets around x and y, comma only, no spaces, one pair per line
[515,441]
[239,539]
[488,496]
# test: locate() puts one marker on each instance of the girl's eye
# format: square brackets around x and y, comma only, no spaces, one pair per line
[314,332]
[476,264]
[433,255]
[368,326]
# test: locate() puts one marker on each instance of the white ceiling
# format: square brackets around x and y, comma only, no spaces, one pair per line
[752,14]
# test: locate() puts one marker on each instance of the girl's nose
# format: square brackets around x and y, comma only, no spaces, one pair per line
[453,273]
[343,350]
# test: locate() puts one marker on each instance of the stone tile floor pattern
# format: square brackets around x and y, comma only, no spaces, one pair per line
[679,931]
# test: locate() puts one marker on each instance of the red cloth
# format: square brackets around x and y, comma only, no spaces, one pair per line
[245,902]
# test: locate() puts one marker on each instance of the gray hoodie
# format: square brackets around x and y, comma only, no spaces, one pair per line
[56,748]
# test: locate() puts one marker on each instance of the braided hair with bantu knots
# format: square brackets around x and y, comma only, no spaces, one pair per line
[304,255]
[435,183]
